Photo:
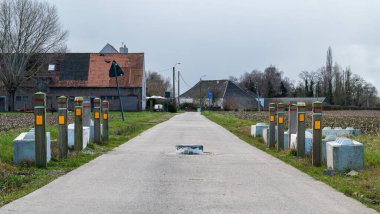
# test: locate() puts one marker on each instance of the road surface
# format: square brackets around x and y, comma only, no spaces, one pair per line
[146,176]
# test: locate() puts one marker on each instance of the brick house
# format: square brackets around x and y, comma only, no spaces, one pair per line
[87,75]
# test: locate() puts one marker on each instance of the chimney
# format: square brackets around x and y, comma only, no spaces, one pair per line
[124,49]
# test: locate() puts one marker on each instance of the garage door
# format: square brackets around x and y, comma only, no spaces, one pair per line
[130,103]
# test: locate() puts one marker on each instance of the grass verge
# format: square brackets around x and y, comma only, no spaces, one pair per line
[365,187]
[17,181]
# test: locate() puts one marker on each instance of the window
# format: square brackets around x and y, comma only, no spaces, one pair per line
[25,98]
[18,98]
[51,67]
[115,97]
[102,97]
[109,98]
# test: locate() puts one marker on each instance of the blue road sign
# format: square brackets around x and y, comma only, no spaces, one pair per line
[210,95]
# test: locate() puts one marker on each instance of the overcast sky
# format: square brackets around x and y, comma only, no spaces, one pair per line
[219,38]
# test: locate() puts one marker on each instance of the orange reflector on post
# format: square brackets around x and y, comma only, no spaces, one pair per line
[301,117]
[97,115]
[78,112]
[280,120]
[317,125]
[61,120]
[39,120]
[105,116]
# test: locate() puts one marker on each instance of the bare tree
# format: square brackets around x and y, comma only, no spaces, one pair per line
[328,75]
[29,30]
[157,84]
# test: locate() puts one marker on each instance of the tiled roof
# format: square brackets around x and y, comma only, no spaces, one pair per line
[91,70]
[109,49]
[217,87]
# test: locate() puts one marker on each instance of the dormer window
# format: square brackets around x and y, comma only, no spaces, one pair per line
[51,67]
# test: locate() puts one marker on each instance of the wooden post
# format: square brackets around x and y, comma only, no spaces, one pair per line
[272,125]
[317,134]
[292,121]
[62,127]
[40,129]
[301,129]
[280,126]
[97,134]
[78,124]
[86,112]
[105,106]
[151,105]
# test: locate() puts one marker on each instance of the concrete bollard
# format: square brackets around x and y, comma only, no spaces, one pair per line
[62,127]
[86,112]
[292,115]
[97,134]
[280,126]
[317,134]
[301,114]
[40,129]
[78,124]
[105,107]
[272,124]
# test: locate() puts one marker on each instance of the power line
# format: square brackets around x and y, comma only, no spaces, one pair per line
[184,81]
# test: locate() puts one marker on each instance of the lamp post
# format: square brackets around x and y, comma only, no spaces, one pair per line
[200,93]
[174,102]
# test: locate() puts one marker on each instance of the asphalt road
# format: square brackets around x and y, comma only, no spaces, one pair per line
[146,176]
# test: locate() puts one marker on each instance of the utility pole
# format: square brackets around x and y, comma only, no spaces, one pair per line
[174,103]
[200,94]
[178,91]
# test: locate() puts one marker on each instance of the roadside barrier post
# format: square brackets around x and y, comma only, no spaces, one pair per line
[292,120]
[62,127]
[40,129]
[272,124]
[301,129]
[97,134]
[280,126]
[105,107]
[86,112]
[78,124]
[317,134]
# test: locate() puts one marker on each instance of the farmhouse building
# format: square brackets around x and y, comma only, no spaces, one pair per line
[222,94]
[87,75]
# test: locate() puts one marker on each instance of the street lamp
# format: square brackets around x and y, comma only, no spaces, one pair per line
[200,93]
[174,103]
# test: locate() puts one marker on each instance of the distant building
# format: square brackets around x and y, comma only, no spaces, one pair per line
[87,74]
[223,94]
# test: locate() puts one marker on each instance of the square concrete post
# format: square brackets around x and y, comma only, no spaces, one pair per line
[301,123]
[40,129]
[280,126]
[86,112]
[317,134]
[292,115]
[97,133]
[62,127]
[78,124]
[272,125]
[151,105]
[105,107]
